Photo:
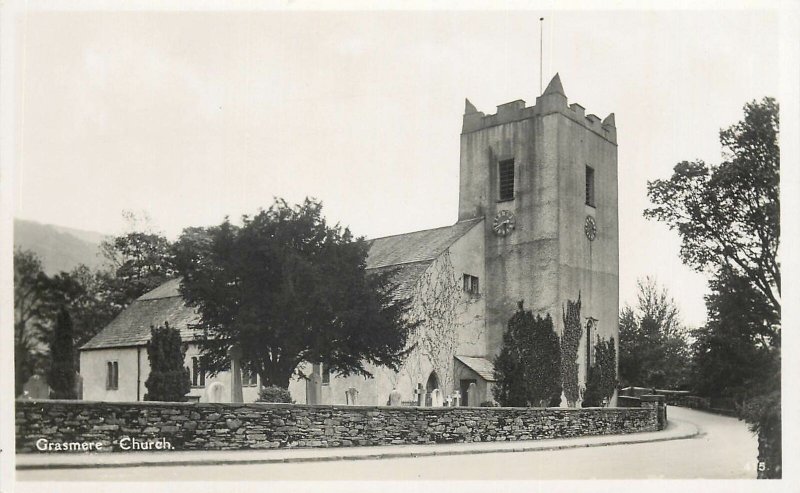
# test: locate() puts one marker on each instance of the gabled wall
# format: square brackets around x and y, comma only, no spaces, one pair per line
[454,324]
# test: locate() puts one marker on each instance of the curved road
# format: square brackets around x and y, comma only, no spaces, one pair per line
[725,449]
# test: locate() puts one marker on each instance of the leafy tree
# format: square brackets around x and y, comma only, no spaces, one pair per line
[653,347]
[61,377]
[602,379]
[527,370]
[728,217]
[169,379]
[141,260]
[288,289]
[29,293]
[87,297]
[733,354]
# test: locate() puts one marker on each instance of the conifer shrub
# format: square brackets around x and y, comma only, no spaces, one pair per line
[169,380]
[61,376]
[602,378]
[527,370]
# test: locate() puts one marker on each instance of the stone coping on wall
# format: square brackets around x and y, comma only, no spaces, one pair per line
[227,426]
[279,405]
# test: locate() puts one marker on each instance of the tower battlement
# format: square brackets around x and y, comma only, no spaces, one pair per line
[553,100]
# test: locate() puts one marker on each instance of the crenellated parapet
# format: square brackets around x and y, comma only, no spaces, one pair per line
[553,100]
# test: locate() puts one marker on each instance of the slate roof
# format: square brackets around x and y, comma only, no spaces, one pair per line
[482,366]
[132,326]
[408,255]
[405,275]
[417,246]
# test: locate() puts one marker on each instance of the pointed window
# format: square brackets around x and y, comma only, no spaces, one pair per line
[506,175]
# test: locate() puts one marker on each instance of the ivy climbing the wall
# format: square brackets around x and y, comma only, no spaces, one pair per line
[527,370]
[570,340]
[437,307]
[602,379]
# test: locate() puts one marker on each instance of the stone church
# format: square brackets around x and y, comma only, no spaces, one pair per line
[537,221]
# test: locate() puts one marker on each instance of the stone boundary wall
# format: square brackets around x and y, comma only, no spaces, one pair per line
[206,426]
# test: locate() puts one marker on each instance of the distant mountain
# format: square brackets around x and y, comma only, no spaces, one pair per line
[58,247]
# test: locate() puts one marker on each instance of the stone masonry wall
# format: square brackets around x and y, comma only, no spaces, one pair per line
[199,426]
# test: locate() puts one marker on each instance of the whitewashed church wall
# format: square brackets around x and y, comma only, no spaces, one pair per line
[93,369]
[249,392]
[467,256]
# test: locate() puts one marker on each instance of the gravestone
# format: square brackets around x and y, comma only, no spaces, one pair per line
[457,398]
[352,396]
[472,395]
[395,397]
[420,393]
[436,398]
[215,392]
[448,402]
[36,388]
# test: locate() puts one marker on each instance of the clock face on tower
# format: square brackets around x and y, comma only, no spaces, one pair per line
[503,223]
[590,228]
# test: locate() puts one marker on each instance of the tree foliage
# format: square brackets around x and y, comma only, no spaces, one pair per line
[141,261]
[602,378]
[654,350]
[29,331]
[61,376]
[168,380]
[728,215]
[527,370]
[733,355]
[289,289]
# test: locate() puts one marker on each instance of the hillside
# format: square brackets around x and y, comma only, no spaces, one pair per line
[59,248]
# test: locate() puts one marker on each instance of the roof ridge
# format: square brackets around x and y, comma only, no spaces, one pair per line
[424,230]
[402,263]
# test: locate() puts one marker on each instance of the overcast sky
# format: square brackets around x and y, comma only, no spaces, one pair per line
[194,116]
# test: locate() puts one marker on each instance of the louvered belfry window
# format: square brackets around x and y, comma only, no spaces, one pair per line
[590,186]
[506,179]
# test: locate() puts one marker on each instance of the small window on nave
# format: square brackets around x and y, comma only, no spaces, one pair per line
[471,285]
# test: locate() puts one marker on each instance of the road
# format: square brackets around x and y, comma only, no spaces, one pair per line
[725,449]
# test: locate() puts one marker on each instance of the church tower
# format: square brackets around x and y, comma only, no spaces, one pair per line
[545,179]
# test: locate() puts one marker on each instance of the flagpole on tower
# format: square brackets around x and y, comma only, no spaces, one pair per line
[541,55]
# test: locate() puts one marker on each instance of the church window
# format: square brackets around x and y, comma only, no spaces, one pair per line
[471,284]
[249,378]
[326,374]
[506,172]
[590,186]
[112,375]
[198,375]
